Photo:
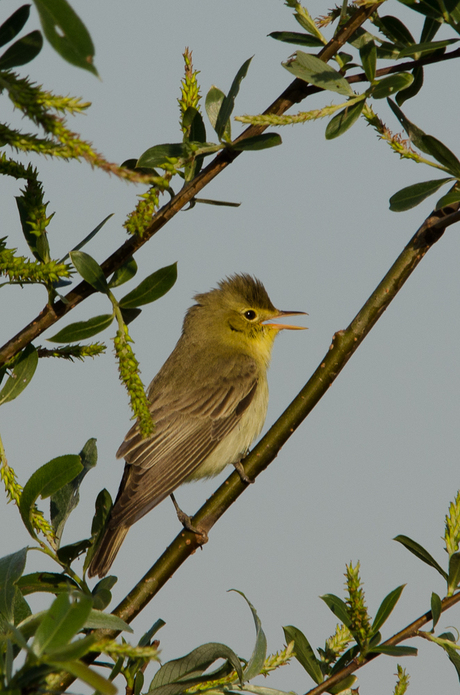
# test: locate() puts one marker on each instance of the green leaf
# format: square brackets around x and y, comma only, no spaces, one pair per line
[102,594]
[436,609]
[74,650]
[304,653]
[296,37]
[127,271]
[368,54]
[258,142]
[193,121]
[22,373]
[410,196]
[259,653]
[454,658]
[343,120]
[214,99]
[130,314]
[197,661]
[49,582]
[37,242]
[13,25]
[101,514]
[314,70]
[87,675]
[386,607]
[66,616]
[413,89]
[11,568]
[22,51]
[152,288]
[98,619]
[66,33]
[390,85]
[454,573]
[395,30]
[420,552]
[228,102]
[394,651]
[453,196]
[442,154]
[68,553]
[338,607]
[146,638]
[46,481]
[89,237]
[158,155]
[80,330]
[90,270]
[414,132]
[64,501]
[430,29]
[426,47]
[343,686]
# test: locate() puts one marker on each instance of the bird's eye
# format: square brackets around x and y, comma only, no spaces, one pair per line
[250,315]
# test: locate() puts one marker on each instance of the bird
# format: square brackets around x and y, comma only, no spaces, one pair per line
[208,403]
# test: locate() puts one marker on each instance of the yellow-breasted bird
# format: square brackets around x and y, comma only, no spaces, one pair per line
[208,403]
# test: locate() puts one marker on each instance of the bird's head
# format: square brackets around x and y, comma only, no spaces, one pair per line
[238,314]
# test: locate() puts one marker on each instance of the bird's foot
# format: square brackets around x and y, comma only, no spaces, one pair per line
[187,523]
[239,467]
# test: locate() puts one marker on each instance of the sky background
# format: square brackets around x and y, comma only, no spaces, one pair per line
[379,454]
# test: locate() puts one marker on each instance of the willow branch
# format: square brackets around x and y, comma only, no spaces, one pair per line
[344,344]
[294,93]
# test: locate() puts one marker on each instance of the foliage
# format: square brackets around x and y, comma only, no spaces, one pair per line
[59,644]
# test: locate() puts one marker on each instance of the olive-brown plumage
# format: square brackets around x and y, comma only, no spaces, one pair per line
[208,403]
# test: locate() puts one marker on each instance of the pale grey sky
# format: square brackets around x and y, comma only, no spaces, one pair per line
[379,454]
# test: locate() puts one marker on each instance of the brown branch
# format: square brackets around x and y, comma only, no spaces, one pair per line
[296,91]
[408,632]
[344,344]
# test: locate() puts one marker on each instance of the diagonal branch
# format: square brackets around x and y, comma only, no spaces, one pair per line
[295,92]
[344,344]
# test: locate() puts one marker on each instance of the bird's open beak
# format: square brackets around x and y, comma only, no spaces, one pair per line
[280,326]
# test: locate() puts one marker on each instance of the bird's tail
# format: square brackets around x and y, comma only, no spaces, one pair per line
[107,551]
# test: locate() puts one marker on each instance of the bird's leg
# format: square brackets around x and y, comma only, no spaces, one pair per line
[186,521]
[239,467]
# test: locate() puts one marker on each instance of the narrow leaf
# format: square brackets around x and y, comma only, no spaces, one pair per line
[453,196]
[454,658]
[13,25]
[420,552]
[258,142]
[214,99]
[98,619]
[87,675]
[82,329]
[259,653]
[394,651]
[73,650]
[195,662]
[436,609]
[90,270]
[414,132]
[66,33]
[152,288]
[410,196]
[68,553]
[22,373]
[338,607]
[426,47]
[391,85]
[22,51]
[61,622]
[312,69]
[304,652]
[442,154]
[45,481]
[454,573]
[89,237]
[49,582]
[145,640]
[228,103]
[158,155]
[11,568]
[343,686]
[395,30]
[342,121]
[368,54]
[297,37]
[413,89]
[386,607]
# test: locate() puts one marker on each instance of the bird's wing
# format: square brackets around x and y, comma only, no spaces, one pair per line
[188,427]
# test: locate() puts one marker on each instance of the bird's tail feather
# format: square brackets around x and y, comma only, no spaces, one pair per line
[107,551]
